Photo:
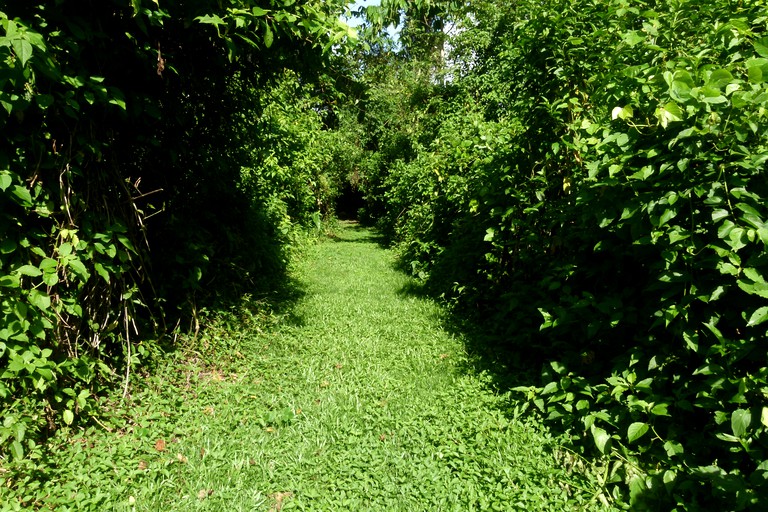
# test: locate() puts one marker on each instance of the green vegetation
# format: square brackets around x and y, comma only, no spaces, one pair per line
[155,158]
[584,179]
[354,398]
[589,179]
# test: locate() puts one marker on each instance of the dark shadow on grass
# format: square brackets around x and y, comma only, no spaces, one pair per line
[488,352]
[354,232]
[255,307]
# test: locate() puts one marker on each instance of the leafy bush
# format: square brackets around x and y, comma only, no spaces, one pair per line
[597,188]
[126,128]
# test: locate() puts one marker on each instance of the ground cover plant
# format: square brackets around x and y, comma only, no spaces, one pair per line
[349,395]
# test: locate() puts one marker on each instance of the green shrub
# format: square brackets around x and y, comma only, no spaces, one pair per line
[599,193]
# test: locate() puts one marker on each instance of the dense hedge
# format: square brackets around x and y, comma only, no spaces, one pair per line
[154,156]
[590,176]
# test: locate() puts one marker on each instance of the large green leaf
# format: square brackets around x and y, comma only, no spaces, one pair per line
[759,316]
[602,439]
[22,49]
[761,47]
[740,421]
[39,299]
[636,431]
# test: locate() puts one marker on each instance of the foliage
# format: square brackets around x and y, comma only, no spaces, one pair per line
[593,182]
[126,128]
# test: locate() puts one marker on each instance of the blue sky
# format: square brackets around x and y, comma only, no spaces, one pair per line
[361,3]
[365,3]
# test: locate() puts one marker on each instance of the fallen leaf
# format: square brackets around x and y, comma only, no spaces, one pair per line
[204,493]
[325,384]
[338,366]
[160,445]
[181,458]
[142,465]
[279,497]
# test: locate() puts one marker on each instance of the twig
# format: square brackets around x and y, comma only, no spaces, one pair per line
[128,349]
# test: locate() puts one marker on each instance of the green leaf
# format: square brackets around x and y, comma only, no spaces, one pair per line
[119,102]
[558,367]
[720,214]
[669,113]
[761,47]
[668,215]
[126,242]
[762,234]
[9,281]
[680,89]
[44,100]
[636,431]
[22,49]
[632,38]
[7,246]
[51,278]
[740,420]
[17,450]
[211,20]
[757,70]
[79,268]
[5,181]
[68,416]
[602,439]
[258,11]
[673,448]
[48,265]
[29,270]
[720,78]
[22,195]
[758,317]
[764,417]
[101,271]
[737,239]
[269,37]
[39,299]
[551,387]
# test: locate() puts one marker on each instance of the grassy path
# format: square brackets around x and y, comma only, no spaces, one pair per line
[355,401]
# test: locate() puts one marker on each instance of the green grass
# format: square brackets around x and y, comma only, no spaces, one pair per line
[356,399]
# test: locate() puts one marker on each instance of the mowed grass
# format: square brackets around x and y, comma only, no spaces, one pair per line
[357,399]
